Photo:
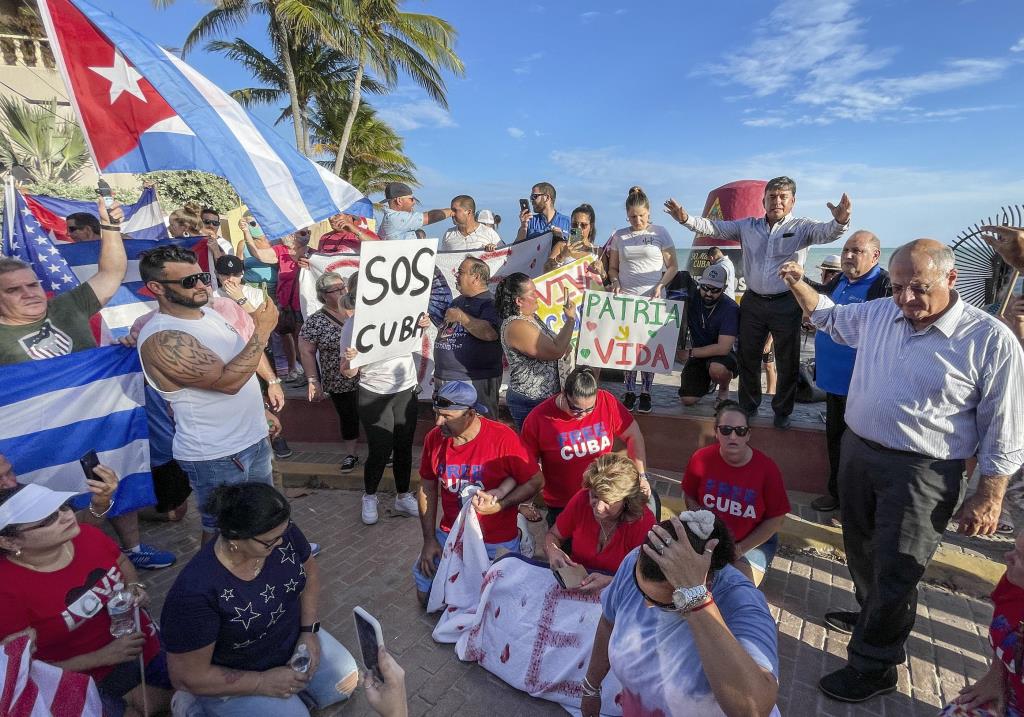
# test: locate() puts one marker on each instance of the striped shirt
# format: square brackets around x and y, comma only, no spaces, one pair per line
[766,250]
[950,391]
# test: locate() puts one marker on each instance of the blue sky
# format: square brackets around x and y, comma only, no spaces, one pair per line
[911,106]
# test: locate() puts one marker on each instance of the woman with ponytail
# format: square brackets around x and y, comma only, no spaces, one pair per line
[641,262]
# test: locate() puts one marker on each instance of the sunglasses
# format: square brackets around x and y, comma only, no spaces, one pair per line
[576,410]
[212,222]
[666,606]
[711,289]
[73,228]
[188,282]
[50,519]
[268,544]
[442,402]
[728,430]
[538,195]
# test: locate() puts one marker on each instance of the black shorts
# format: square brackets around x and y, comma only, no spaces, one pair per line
[171,486]
[695,380]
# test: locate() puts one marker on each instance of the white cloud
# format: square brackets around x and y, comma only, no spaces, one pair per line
[515,133]
[621,11]
[589,15]
[526,63]
[1018,46]
[415,115]
[819,67]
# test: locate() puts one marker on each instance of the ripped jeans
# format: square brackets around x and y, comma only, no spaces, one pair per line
[336,663]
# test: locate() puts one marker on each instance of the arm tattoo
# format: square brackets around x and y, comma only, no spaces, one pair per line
[248,358]
[232,676]
[181,357]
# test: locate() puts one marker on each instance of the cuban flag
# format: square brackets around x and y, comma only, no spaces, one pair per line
[142,220]
[54,411]
[143,109]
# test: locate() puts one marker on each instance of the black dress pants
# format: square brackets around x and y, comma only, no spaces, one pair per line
[779,316]
[835,427]
[895,506]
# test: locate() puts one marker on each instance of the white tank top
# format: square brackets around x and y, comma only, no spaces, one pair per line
[210,424]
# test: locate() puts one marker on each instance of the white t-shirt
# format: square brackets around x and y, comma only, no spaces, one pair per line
[454,240]
[225,245]
[641,262]
[254,295]
[384,377]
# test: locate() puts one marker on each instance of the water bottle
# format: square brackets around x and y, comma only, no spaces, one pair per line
[122,612]
[300,660]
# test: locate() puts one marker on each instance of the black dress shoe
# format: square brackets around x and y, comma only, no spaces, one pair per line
[841,621]
[849,685]
[782,422]
[825,504]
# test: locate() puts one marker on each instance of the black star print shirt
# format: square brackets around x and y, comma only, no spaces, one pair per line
[253,623]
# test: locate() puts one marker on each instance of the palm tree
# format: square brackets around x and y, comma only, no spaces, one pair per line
[319,72]
[39,141]
[375,153]
[289,20]
[386,40]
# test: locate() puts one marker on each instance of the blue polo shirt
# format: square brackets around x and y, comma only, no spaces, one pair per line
[834,363]
[539,224]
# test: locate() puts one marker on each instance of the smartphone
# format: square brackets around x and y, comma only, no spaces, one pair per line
[103,189]
[371,639]
[255,230]
[89,461]
[570,576]
[575,235]
[524,205]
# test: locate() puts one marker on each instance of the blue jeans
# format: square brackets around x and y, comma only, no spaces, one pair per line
[760,558]
[520,406]
[423,583]
[250,464]
[336,663]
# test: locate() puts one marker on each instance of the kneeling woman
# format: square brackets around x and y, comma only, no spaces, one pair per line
[743,487]
[243,606]
[604,521]
[56,577]
[684,632]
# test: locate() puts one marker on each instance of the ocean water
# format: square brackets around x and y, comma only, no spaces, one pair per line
[815,255]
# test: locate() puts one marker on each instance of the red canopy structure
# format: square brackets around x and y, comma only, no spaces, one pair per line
[735,200]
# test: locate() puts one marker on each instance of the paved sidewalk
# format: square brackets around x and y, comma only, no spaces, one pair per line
[369,566]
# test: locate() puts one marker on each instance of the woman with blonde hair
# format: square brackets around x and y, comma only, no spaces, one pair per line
[185,222]
[605,521]
[641,262]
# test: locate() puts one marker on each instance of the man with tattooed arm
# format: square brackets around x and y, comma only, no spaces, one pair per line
[204,369]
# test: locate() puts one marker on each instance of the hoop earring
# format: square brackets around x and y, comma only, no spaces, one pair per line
[232,547]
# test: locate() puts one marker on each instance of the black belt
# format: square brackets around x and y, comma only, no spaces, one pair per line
[909,454]
[769,297]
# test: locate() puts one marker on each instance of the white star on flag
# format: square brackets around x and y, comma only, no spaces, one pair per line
[123,78]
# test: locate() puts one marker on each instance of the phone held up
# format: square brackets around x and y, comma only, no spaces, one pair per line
[255,231]
[371,639]
[89,461]
[103,190]
[524,205]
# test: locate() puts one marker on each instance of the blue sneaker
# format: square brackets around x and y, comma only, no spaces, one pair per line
[150,558]
[315,548]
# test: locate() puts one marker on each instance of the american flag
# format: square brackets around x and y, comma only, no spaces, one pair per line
[25,239]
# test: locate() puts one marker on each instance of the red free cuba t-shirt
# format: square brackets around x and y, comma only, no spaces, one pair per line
[493,455]
[742,497]
[1005,636]
[68,607]
[565,446]
[577,523]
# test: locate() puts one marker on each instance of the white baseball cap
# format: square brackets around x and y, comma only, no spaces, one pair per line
[33,502]
[485,216]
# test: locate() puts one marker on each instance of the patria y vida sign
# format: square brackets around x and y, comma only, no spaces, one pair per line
[629,332]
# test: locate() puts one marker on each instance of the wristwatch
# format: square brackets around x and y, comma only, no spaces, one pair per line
[314,628]
[242,302]
[273,382]
[685,599]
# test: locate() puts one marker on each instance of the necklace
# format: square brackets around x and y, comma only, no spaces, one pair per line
[703,318]
[257,563]
[605,534]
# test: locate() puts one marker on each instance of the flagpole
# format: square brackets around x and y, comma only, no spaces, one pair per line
[9,209]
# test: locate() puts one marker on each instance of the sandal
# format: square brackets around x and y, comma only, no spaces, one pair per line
[1005,527]
[530,512]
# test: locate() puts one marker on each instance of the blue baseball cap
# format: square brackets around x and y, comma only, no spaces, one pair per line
[458,394]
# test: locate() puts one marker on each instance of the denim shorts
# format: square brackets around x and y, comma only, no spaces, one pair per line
[251,464]
[423,583]
[760,558]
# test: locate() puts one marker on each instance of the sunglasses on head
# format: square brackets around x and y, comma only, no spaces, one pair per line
[442,402]
[728,430]
[188,282]
[50,519]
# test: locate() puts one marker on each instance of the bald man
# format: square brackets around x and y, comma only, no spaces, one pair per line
[936,381]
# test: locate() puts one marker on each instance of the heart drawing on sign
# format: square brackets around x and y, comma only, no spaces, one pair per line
[585,353]
[652,334]
[623,334]
[592,326]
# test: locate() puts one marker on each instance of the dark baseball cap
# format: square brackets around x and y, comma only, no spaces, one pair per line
[394,190]
[229,265]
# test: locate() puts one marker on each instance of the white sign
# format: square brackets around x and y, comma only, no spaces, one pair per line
[629,332]
[393,292]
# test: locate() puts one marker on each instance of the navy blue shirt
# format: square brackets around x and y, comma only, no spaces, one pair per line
[834,363]
[708,323]
[539,224]
[253,623]
[461,356]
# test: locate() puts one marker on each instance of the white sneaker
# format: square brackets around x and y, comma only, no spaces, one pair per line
[525,539]
[405,504]
[369,509]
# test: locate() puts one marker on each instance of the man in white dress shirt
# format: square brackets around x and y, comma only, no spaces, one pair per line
[468,233]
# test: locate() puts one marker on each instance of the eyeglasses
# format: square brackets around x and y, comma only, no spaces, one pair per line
[538,195]
[576,410]
[333,291]
[212,222]
[50,519]
[915,289]
[711,289]
[188,282]
[268,544]
[728,430]
[666,606]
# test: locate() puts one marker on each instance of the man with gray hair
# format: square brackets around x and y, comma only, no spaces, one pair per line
[936,381]
[768,308]
[467,346]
